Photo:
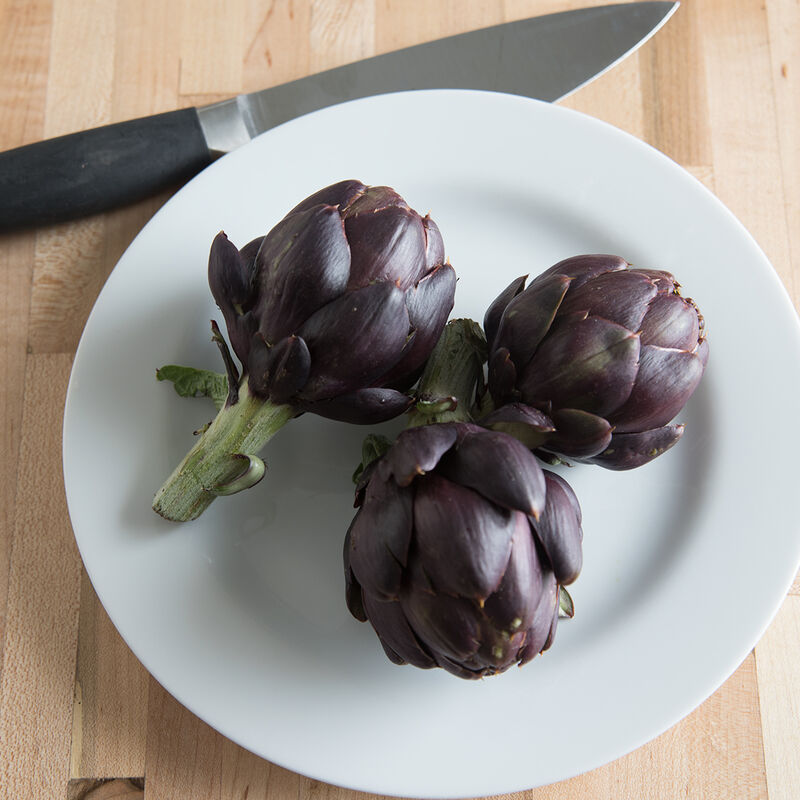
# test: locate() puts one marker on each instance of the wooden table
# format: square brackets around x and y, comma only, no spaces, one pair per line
[716,89]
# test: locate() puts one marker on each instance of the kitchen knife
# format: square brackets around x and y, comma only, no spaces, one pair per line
[545,57]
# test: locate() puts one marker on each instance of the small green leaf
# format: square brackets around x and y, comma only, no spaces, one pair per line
[373,447]
[191,382]
[436,405]
[566,608]
[530,435]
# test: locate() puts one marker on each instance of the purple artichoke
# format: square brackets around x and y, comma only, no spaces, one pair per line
[457,551]
[337,308]
[334,311]
[593,360]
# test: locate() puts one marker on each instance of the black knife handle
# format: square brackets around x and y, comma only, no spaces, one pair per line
[90,171]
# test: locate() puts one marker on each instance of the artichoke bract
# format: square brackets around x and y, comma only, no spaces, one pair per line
[458,550]
[337,308]
[593,360]
[334,312]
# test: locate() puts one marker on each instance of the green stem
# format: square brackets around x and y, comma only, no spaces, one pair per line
[223,460]
[447,387]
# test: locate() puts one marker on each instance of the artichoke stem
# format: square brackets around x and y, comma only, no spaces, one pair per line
[214,465]
[453,371]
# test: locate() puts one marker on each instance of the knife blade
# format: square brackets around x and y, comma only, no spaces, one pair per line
[545,57]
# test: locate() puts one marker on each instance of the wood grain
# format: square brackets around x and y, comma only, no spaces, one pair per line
[340,32]
[67,257]
[69,270]
[211,39]
[36,689]
[674,93]
[746,157]
[718,90]
[23,70]
[783,24]
[147,64]
[109,718]
[402,24]
[80,79]
[277,43]
[23,82]
[712,747]
[778,660]
[186,759]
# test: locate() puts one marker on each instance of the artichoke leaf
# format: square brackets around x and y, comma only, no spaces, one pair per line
[193,382]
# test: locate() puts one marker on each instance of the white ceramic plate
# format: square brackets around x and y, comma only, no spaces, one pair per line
[241,614]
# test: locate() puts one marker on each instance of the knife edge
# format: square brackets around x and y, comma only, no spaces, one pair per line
[497,58]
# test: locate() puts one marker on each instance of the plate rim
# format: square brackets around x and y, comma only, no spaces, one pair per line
[489,97]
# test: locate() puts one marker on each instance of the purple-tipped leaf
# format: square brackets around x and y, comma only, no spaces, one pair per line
[232,287]
[249,252]
[502,376]
[622,297]
[228,276]
[457,669]
[589,364]
[665,381]
[429,304]
[386,245]
[671,322]
[519,412]
[528,318]
[363,407]
[380,535]
[491,319]
[551,634]
[528,425]
[559,530]
[341,194]
[277,372]
[568,493]
[443,623]
[500,468]
[585,267]
[303,263]
[578,434]
[462,542]
[538,635]
[418,450]
[664,281]
[394,657]
[259,359]
[374,199]
[701,351]
[289,368]
[352,590]
[395,633]
[512,606]
[354,339]
[630,450]
[434,245]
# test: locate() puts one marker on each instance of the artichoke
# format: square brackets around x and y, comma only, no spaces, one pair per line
[458,549]
[337,308]
[334,312]
[593,360]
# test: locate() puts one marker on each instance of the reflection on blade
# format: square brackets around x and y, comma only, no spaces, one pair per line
[544,57]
